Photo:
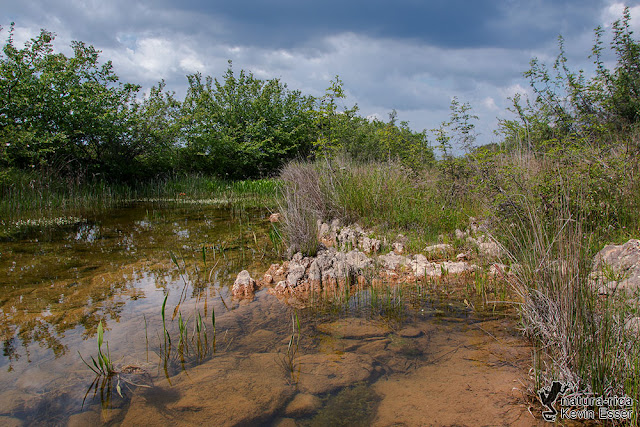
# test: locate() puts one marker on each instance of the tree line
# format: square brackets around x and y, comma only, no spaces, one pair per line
[72,116]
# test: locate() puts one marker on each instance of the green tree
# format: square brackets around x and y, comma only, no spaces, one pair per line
[69,114]
[243,126]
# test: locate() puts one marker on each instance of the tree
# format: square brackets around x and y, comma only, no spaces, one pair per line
[64,113]
[243,126]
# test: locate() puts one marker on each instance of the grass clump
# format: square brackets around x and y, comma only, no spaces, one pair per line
[581,334]
[386,196]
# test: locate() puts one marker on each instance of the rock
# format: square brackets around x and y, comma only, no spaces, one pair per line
[322,373]
[347,238]
[460,234]
[329,268]
[296,272]
[421,266]
[410,332]
[285,422]
[93,418]
[244,286]
[616,268]
[275,217]
[391,261]
[12,422]
[226,391]
[267,278]
[442,248]
[370,245]
[303,404]
[354,328]
[486,246]
[398,248]
[358,260]
[458,267]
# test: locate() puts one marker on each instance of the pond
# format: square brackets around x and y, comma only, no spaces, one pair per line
[155,280]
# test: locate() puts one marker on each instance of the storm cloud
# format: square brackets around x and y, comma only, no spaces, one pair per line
[409,55]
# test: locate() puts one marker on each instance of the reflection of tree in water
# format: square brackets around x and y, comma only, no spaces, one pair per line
[42,315]
[9,351]
[41,332]
[90,273]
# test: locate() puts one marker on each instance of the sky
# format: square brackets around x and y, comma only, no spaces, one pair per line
[409,55]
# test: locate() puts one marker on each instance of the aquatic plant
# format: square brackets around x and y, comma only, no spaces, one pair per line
[104,364]
[288,359]
[107,376]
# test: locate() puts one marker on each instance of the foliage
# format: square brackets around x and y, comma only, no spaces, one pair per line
[68,114]
[243,126]
[385,195]
[347,134]
[458,131]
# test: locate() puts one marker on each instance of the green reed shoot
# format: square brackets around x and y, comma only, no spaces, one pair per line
[276,239]
[146,336]
[167,337]
[288,361]
[103,366]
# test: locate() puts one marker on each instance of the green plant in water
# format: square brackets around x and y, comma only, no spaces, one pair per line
[103,366]
[276,239]
[106,374]
[288,360]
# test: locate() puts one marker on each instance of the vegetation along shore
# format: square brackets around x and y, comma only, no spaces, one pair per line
[544,221]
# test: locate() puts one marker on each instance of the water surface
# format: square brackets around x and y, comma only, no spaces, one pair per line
[420,357]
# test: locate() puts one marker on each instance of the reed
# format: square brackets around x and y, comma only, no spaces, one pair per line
[582,336]
[288,359]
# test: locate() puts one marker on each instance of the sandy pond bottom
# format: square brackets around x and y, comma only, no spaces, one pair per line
[427,360]
[445,369]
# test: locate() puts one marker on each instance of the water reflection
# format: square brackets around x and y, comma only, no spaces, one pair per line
[57,280]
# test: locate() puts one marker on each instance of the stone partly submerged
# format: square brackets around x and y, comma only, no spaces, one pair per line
[349,256]
[244,286]
[616,273]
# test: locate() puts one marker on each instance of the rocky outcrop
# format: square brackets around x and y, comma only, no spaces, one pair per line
[244,286]
[419,266]
[350,256]
[477,235]
[347,238]
[487,247]
[328,270]
[616,269]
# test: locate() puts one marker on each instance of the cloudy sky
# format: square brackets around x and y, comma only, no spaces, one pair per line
[408,55]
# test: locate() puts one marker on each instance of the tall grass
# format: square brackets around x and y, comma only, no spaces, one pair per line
[383,195]
[33,195]
[582,333]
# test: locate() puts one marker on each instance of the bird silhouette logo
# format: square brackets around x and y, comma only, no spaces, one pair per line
[548,396]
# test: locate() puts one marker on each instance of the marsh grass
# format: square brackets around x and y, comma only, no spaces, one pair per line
[32,196]
[581,336]
[288,357]
[107,377]
[384,196]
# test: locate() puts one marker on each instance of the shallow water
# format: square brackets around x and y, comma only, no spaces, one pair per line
[426,359]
